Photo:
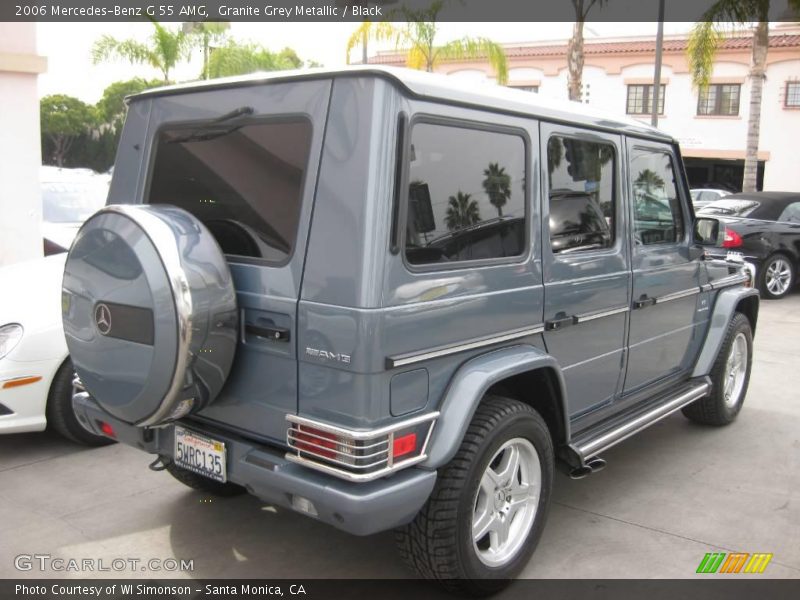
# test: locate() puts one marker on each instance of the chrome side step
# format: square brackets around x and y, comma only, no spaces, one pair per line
[591,446]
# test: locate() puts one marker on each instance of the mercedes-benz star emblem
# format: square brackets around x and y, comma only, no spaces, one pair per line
[102,318]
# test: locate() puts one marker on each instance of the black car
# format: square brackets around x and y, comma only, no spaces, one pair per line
[765,228]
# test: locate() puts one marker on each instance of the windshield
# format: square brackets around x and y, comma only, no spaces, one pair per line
[73,201]
[730,208]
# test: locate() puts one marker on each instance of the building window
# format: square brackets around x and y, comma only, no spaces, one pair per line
[640,99]
[793,94]
[525,88]
[719,99]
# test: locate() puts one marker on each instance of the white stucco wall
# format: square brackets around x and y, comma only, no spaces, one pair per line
[20,150]
[710,136]
[780,130]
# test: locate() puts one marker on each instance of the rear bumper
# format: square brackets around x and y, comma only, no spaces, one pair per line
[358,508]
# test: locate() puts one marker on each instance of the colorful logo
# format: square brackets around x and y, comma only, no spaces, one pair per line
[736,562]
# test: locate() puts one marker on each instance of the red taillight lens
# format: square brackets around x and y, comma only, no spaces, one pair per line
[732,239]
[405,444]
[107,429]
[315,441]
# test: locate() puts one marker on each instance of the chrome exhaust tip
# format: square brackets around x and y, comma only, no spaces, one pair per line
[580,472]
[596,464]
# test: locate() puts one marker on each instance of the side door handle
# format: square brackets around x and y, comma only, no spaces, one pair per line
[278,334]
[560,322]
[643,302]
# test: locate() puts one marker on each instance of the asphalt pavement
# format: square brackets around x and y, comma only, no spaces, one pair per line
[668,496]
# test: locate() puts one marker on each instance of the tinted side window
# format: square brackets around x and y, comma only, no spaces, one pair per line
[243,182]
[657,217]
[466,195]
[581,193]
[791,214]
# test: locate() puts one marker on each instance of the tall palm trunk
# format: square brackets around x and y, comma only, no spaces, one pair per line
[206,45]
[575,58]
[757,76]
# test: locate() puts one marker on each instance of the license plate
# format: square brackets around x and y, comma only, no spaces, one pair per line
[200,454]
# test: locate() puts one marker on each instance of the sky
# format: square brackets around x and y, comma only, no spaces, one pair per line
[70,70]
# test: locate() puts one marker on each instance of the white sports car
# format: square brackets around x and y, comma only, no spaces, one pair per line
[36,376]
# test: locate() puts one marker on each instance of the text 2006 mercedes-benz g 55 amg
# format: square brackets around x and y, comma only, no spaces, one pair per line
[388,302]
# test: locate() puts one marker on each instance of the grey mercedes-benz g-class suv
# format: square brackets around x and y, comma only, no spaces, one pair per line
[388,302]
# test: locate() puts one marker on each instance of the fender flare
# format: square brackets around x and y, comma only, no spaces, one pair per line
[469,385]
[725,306]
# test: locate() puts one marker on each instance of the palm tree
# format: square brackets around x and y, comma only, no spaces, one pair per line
[239,59]
[462,211]
[497,186]
[418,38]
[555,152]
[369,30]
[649,180]
[165,49]
[575,47]
[207,32]
[702,49]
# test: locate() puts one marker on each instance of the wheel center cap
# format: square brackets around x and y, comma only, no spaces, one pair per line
[499,499]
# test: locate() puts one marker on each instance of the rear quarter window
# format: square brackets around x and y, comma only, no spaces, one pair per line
[466,194]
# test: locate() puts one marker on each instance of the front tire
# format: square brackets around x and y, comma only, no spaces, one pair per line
[777,277]
[60,414]
[730,377]
[487,511]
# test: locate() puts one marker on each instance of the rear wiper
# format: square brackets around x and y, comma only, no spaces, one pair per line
[203,135]
[208,132]
[239,112]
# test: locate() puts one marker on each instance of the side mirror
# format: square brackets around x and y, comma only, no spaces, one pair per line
[708,232]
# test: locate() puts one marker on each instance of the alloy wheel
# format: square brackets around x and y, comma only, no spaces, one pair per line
[506,502]
[779,276]
[735,370]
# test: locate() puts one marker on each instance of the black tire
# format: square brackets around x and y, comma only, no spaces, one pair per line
[61,416]
[763,272]
[438,543]
[714,409]
[204,484]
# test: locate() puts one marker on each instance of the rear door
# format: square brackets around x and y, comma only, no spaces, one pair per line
[667,309]
[586,265]
[244,161]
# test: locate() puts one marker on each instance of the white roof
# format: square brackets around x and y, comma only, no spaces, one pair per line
[441,87]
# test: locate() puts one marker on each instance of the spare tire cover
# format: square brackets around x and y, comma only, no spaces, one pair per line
[149,312]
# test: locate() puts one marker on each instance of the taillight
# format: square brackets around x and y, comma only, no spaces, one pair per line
[359,455]
[107,429]
[732,239]
[316,441]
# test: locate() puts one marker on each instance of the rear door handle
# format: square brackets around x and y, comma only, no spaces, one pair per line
[644,302]
[560,323]
[278,334]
